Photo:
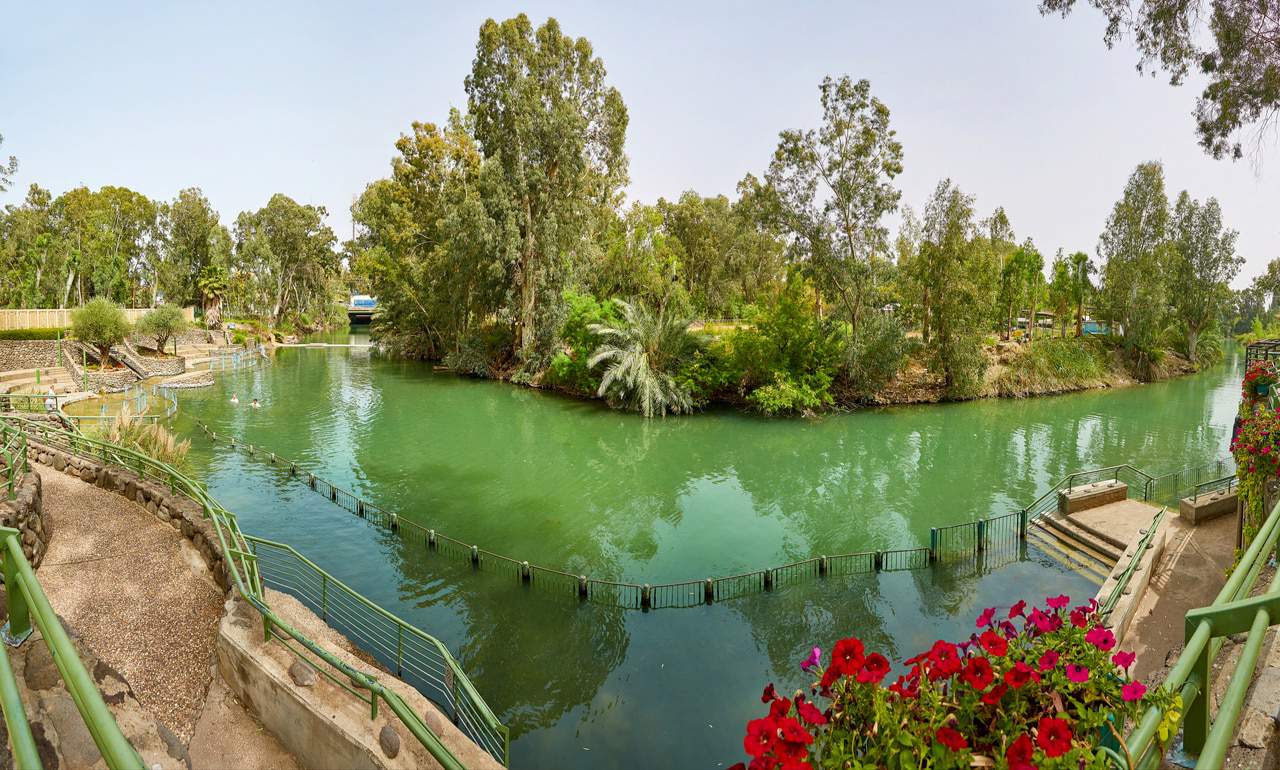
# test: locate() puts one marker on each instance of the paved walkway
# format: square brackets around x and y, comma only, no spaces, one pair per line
[136,592]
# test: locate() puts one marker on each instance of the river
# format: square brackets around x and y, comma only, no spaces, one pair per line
[573,485]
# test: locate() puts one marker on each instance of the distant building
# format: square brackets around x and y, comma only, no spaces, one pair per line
[360,308]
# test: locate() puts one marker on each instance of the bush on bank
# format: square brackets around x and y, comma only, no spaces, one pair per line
[1044,688]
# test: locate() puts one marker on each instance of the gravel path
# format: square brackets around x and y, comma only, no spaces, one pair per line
[135,592]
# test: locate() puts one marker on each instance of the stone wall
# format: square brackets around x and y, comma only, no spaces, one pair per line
[27,354]
[173,508]
[26,513]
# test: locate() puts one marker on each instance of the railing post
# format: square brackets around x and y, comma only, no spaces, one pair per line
[18,628]
[1022,524]
[982,534]
[324,596]
[1195,727]
[933,544]
[399,649]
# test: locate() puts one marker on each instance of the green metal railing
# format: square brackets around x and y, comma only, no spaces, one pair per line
[1226,483]
[26,603]
[13,462]
[1231,612]
[242,564]
[1171,487]
[1122,581]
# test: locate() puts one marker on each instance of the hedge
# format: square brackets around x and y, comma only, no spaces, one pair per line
[33,334]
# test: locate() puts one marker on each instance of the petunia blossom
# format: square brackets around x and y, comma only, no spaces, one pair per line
[1133,691]
[815,656]
[1077,674]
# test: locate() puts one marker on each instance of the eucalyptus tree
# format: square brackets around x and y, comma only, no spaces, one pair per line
[544,113]
[1133,247]
[284,259]
[1060,290]
[1202,263]
[1234,44]
[7,170]
[1032,263]
[1081,285]
[834,185]
[194,239]
[948,254]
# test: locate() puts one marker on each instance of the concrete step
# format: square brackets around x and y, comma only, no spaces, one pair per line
[1084,538]
[23,374]
[1073,555]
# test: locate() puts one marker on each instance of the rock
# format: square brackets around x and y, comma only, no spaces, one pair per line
[1255,730]
[41,672]
[389,740]
[305,676]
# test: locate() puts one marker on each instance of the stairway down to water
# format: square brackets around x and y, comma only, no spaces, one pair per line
[37,380]
[1074,550]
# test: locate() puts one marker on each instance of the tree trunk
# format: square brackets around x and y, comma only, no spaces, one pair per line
[1193,340]
[1080,318]
[528,284]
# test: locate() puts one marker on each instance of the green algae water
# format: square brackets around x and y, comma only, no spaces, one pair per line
[575,486]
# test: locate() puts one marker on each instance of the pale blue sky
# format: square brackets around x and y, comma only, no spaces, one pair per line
[307,99]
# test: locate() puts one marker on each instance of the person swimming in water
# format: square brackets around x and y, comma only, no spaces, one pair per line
[234,399]
[255,404]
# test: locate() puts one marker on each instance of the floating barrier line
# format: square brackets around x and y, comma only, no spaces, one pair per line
[985,543]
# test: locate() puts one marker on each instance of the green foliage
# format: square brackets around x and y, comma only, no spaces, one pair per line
[710,372]
[642,352]
[1134,247]
[1052,365]
[876,353]
[791,351]
[162,323]
[485,352]
[148,437]
[100,323]
[569,367]
[32,334]
[1202,261]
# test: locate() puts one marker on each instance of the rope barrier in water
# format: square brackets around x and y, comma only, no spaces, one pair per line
[1000,538]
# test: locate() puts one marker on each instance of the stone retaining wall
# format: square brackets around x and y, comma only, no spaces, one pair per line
[173,508]
[26,513]
[27,354]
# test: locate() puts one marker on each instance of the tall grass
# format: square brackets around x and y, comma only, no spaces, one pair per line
[150,438]
[1053,365]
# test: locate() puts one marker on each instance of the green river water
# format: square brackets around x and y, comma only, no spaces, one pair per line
[573,485]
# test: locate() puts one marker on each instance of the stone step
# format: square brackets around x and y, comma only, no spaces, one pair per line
[1084,539]
[22,374]
[1072,555]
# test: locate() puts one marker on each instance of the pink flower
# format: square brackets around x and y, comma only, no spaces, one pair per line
[1057,602]
[1133,691]
[1077,674]
[1100,637]
[1048,660]
[1123,659]
[985,618]
[814,658]
[1016,610]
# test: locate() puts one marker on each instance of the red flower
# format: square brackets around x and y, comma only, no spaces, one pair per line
[793,732]
[779,708]
[1020,753]
[1016,610]
[992,697]
[1054,736]
[846,658]
[1123,659]
[1048,660]
[993,643]
[809,712]
[768,694]
[1018,676]
[1133,691]
[1077,674]
[1100,637]
[978,674]
[874,668]
[1058,602]
[944,660]
[761,735]
[951,738]
[1079,617]
[906,687]
[985,618]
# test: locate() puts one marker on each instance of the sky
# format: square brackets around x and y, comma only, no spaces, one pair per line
[1022,111]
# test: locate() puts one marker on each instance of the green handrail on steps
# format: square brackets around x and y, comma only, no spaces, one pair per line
[241,564]
[27,602]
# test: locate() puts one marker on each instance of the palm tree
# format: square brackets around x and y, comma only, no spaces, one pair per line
[640,351]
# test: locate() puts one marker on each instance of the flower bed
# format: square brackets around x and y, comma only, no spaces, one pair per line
[1256,447]
[1040,689]
[1259,379]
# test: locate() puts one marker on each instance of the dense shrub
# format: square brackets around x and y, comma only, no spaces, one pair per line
[643,351]
[1054,364]
[569,369]
[32,334]
[710,372]
[875,354]
[162,323]
[100,323]
[483,353]
[790,351]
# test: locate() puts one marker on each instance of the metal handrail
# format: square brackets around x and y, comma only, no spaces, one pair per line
[241,563]
[27,602]
[1214,485]
[1205,630]
[1123,579]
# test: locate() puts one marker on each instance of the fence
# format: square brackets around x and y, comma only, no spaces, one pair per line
[1169,488]
[242,563]
[13,462]
[238,359]
[999,536]
[60,318]
[152,404]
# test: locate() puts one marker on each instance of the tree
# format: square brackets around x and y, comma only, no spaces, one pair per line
[1133,249]
[1060,291]
[1032,263]
[949,255]
[543,112]
[100,323]
[1242,65]
[1202,263]
[1081,286]
[284,253]
[212,284]
[642,351]
[162,323]
[194,240]
[7,171]
[833,186]
[916,287]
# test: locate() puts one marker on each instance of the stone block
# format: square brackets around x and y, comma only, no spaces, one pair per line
[1087,496]
[1207,507]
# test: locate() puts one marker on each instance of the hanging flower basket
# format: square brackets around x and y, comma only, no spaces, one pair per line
[1259,379]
